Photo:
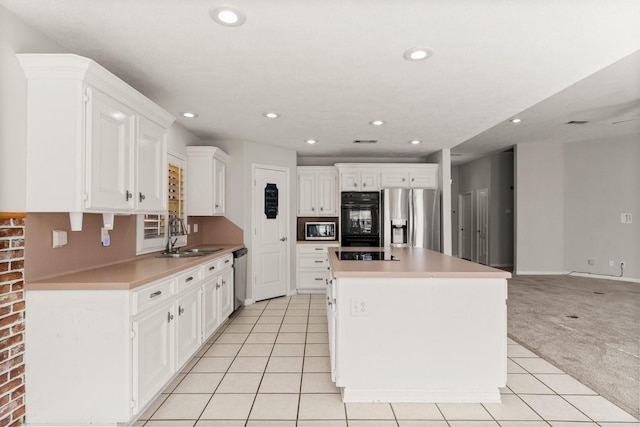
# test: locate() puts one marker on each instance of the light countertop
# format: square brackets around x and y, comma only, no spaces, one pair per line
[127,274]
[411,262]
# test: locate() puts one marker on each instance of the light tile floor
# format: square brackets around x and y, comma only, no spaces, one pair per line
[269,366]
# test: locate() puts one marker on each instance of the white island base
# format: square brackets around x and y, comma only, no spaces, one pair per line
[395,339]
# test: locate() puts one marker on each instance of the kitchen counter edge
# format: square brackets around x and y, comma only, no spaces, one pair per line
[127,275]
[412,263]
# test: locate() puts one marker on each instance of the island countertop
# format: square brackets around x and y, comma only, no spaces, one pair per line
[127,274]
[411,262]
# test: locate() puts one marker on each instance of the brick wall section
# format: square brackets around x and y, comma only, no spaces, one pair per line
[12,313]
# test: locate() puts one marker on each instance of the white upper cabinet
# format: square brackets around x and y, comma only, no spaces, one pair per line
[151,149]
[94,144]
[359,180]
[373,177]
[317,191]
[206,182]
[411,176]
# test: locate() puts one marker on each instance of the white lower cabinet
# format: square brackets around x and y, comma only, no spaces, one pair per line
[217,294]
[313,271]
[188,325]
[115,350]
[153,361]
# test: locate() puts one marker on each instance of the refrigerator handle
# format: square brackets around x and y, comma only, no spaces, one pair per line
[411,238]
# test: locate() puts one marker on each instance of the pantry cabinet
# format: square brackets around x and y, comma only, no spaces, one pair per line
[206,181]
[317,191]
[94,144]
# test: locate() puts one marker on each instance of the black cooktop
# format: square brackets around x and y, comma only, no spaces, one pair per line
[365,256]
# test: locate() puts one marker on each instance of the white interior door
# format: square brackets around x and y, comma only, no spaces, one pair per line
[271,232]
[466,226]
[482,197]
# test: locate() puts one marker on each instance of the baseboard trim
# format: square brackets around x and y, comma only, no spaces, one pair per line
[249,301]
[602,276]
[542,273]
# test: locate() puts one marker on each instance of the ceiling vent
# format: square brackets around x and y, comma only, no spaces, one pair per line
[365,141]
[577,122]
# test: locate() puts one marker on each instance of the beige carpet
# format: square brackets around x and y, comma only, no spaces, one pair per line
[589,328]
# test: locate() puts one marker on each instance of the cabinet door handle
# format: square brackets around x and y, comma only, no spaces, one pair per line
[169,317]
[224,282]
[319,261]
[128,195]
[180,310]
[213,267]
[318,278]
[318,249]
[217,285]
[188,279]
[155,294]
[226,261]
[142,197]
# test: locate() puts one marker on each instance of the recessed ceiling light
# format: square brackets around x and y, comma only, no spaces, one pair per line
[189,115]
[311,141]
[417,53]
[415,142]
[376,122]
[228,16]
[271,115]
[516,120]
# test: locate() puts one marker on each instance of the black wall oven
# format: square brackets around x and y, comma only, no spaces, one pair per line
[360,223]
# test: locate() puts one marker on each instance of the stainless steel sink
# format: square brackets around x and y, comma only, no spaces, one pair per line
[189,253]
[185,254]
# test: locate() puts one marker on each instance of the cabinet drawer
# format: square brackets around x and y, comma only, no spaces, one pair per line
[315,249]
[226,262]
[311,261]
[313,279]
[190,277]
[211,268]
[150,295]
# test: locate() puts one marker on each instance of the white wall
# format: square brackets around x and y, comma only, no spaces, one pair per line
[602,180]
[15,37]
[539,206]
[239,187]
[495,173]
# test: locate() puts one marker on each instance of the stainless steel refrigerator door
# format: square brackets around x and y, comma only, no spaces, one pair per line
[395,207]
[425,218]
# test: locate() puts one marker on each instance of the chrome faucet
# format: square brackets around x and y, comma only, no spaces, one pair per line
[171,242]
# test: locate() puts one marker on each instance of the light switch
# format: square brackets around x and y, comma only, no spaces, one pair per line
[59,238]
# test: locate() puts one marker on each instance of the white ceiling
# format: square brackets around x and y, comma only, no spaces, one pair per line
[329,67]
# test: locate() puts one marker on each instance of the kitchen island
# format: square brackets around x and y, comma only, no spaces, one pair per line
[424,327]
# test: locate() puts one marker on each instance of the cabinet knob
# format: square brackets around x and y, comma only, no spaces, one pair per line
[142,197]
[355,184]
[364,184]
[217,206]
[128,195]
[321,208]
[313,209]
[413,179]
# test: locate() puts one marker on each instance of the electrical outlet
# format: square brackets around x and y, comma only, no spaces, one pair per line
[195,228]
[358,308]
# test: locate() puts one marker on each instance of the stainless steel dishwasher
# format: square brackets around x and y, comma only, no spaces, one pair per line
[239,277]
